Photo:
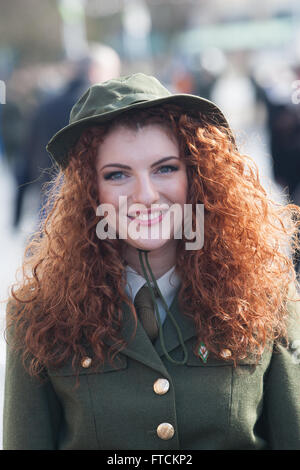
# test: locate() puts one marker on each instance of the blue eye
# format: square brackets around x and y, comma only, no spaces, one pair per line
[169,167]
[113,176]
[117,175]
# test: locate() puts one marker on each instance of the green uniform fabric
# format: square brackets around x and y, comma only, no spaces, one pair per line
[211,405]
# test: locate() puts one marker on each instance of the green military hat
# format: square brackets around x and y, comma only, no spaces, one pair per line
[104,101]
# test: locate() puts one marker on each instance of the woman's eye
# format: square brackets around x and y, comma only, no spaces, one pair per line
[118,175]
[115,175]
[169,168]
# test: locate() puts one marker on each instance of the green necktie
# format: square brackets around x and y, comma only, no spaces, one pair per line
[166,308]
[145,310]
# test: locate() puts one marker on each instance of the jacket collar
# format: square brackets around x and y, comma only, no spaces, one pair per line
[167,283]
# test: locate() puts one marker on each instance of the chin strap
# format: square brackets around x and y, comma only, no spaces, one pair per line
[165,307]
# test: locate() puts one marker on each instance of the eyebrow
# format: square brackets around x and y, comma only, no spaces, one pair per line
[126,167]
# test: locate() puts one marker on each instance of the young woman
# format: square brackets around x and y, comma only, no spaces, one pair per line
[119,339]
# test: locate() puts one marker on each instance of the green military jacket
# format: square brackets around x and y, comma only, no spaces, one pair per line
[199,405]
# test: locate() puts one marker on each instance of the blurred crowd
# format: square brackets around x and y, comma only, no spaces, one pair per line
[252,91]
[25,131]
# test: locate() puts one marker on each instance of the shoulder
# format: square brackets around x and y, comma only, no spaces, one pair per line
[281,385]
[293,310]
[293,319]
[13,313]
[14,307]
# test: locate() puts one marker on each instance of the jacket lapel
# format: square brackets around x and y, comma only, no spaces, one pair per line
[139,346]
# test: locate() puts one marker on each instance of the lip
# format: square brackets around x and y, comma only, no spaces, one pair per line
[149,211]
[149,221]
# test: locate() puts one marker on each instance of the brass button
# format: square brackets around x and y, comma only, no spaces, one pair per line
[165,431]
[226,353]
[161,386]
[86,362]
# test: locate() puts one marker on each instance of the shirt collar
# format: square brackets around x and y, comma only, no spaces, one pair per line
[167,283]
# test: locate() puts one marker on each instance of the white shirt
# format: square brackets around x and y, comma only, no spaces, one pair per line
[167,283]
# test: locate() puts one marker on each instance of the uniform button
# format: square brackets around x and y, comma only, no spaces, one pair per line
[161,386]
[86,362]
[226,353]
[165,431]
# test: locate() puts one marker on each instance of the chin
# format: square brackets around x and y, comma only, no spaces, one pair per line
[150,245]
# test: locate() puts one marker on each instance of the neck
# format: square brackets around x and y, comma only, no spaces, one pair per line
[160,260]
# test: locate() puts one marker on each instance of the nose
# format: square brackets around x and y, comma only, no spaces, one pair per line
[145,192]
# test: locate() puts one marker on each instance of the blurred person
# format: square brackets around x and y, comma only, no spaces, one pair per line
[124,342]
[192,77]
[283,128]
[101,63]
[12,134]
[234,92]
[273,80]
[207,68]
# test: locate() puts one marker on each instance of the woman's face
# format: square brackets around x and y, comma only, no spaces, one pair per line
[144,167]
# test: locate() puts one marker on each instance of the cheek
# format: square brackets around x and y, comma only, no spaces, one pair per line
[180,188]
[102,194]
[108,195]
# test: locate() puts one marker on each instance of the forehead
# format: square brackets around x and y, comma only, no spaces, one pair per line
[151,139]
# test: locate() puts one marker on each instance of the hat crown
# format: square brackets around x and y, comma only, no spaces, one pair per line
[109,96]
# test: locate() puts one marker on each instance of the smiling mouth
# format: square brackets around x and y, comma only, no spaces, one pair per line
[147,219]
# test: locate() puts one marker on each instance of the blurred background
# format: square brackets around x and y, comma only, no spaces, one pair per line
[242,54]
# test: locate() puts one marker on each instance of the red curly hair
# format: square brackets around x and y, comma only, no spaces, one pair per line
[235,288]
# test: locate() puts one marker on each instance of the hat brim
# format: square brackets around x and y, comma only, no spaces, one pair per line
[67,137]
